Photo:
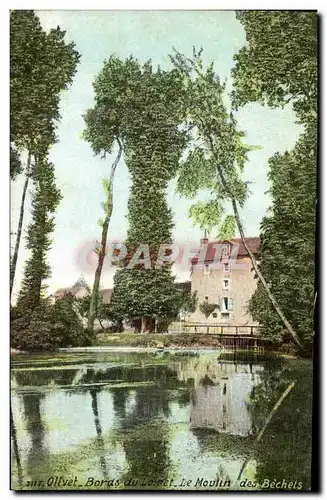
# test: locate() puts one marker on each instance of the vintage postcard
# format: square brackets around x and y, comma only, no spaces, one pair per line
[163,170]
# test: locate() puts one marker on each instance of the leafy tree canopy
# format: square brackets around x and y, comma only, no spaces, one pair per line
[206,308]
[41,66]
[217,153]
[278,64]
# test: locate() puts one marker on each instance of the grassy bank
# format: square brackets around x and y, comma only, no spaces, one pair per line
[187,340]
[153,340]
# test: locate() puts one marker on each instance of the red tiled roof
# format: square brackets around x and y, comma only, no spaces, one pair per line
[253,243]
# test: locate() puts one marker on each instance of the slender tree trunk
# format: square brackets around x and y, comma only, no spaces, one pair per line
[147,324]
[241,231]
[16,449]
[268,419]
[252,257]
[143,325]
[20,226]
[102,251]
[262,279]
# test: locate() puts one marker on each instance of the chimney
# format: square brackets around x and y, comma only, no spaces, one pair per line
[204,240]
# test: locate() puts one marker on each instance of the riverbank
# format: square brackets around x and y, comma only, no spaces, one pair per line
[137,342]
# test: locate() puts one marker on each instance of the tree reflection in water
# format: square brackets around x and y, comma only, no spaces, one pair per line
[161,408]
[97,423]
[16,449]
[37,455]
[284,451]
[145,439]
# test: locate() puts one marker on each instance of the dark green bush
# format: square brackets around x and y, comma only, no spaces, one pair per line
[48,326]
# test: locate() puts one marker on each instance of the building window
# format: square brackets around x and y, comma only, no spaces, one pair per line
[226,284]
[206,269]
[206,297]
[225,252]
[225,304]
[214,315]
[230,304]
[226,267]
[225,315]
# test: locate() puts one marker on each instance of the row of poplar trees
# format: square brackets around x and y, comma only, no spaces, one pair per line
[42,65]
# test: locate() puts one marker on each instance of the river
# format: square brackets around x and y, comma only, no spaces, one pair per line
[165,420]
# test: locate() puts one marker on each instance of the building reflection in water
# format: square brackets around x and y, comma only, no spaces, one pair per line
[154,425]
[219,400]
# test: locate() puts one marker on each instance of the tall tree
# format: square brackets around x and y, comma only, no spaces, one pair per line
[106,125]
[81,282]
[154,145]
[216,158]
[277,66]
[288,242]
[128,102]
[41,66]
[44,203]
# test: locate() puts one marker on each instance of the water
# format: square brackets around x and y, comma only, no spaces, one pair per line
[159,421]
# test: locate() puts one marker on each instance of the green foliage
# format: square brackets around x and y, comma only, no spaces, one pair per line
[145,292]
[113,90]
[41,66]
[188,300]
[147,112]
[102,311]
[15,163]
[206,214]
[279,65]
[288,242]
[67,326]
[206,308]
[279,62]
[48,326]
[227,228]
[216,152]
[82,283]
[30,330]
[289,431]
[45,200]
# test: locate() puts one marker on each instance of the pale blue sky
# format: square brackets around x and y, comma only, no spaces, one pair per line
[145,34]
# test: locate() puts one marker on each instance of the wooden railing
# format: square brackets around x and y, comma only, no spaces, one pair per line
[215,329]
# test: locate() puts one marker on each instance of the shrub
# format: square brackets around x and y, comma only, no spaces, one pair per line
[48,326]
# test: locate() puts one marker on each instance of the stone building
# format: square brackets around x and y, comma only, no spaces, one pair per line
[222,274]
